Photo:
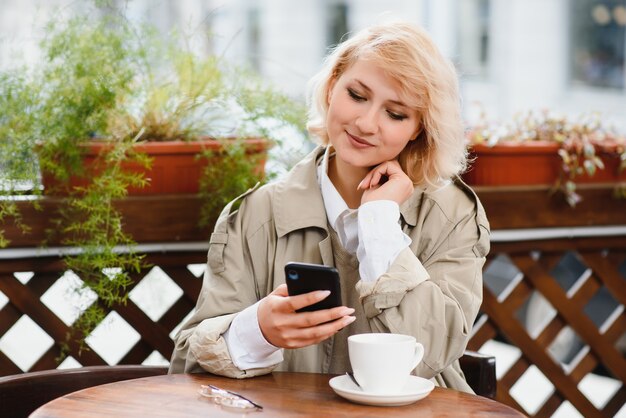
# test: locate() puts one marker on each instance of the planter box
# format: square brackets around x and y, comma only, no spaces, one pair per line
[175,169]
[530,163]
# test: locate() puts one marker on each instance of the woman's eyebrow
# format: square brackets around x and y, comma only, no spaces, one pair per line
[366,88]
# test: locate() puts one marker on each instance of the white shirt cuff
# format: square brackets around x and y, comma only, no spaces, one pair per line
[380,238]
[246,344]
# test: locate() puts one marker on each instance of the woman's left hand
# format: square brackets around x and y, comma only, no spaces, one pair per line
[397,187]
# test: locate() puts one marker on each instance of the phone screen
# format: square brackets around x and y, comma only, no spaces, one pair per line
[304,278]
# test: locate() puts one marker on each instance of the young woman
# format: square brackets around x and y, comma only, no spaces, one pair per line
[379,199]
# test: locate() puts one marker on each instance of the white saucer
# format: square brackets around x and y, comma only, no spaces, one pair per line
[416,389]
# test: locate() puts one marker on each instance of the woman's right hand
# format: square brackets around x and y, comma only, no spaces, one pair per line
[283,327]
[397,186]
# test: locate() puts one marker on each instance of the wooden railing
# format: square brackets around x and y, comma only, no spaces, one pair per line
[531,229]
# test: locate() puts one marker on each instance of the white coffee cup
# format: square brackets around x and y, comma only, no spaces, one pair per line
[382,363]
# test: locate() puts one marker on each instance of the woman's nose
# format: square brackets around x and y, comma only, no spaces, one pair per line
[367,122]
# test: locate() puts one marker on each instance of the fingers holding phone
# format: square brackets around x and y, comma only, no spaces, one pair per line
[308,312]
[283,327]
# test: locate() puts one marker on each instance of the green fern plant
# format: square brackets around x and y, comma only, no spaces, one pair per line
[87,69]
[90,222]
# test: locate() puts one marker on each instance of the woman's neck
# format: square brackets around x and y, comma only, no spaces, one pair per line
[346,178]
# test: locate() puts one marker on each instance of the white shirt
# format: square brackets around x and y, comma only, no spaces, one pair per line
[372,231]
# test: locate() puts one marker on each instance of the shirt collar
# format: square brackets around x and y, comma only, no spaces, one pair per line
[335,205]
[333,202]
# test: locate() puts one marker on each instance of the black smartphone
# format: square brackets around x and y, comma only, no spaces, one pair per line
[305,277]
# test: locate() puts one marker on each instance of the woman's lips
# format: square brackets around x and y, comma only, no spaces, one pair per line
[358,142]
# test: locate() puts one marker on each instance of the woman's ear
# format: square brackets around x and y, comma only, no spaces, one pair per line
[329,92]
[418,132]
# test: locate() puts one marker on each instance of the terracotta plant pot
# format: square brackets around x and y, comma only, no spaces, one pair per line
[175,169]
[530,163]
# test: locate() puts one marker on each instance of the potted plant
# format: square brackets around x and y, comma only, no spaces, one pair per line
[168,100]
[540,148]
[86,120]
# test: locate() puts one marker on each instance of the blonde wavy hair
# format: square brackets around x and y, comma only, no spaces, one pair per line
[429,84]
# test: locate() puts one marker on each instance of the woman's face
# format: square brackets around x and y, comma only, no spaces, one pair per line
[367,122]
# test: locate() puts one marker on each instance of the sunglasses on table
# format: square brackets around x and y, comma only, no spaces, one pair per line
[228,399]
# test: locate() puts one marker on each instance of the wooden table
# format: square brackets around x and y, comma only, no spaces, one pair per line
[280,394]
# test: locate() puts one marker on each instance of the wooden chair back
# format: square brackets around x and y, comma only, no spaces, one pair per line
[21,394]
[480,373]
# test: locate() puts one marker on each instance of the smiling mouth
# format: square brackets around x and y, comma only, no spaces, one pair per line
[359,142]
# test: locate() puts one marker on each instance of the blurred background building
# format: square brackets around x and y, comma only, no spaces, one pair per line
[512,55]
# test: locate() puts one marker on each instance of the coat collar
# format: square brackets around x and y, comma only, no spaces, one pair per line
[410,207]
[298,199]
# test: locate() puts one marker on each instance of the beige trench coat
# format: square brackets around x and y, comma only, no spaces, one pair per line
[286,221]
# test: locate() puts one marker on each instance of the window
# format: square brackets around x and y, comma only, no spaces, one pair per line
[254,38]
[337,23]
[473,38]
[597,43]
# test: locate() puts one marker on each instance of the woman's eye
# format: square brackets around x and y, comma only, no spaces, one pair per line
[396,116]
[355,96]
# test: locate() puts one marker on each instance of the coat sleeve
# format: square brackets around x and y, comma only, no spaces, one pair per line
[434,297]
[229,286]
